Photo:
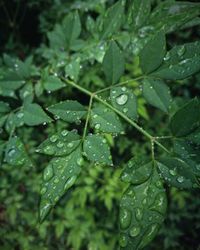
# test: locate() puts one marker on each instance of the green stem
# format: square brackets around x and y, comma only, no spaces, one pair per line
[119,84]
[88,116]
[134,124]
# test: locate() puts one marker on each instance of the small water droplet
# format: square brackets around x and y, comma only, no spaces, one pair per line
[123,241]
[53,138]
[180,179]
[64,133]
[60,144]
[70,145]
[134,231]
[97,126]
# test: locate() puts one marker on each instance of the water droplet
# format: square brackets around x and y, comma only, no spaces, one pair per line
[122,99]
[125,110]
[97,126]
[53,138]
[123,241]
[70,182]
[49,150]
[138,213]
[70,145]
[125,218]
[126,177]
[64,133]
[181,51]
[48,173]
[56,180]
[180,179]
[80,161]
[134,231]
[43,190]
[173,172]
[60,144]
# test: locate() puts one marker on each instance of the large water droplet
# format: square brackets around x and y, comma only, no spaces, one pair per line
[48,173]
[122,99]
[134,231]
[125,218]
[70,182]
[138,213]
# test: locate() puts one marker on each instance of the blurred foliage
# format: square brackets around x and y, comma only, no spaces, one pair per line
[87,217]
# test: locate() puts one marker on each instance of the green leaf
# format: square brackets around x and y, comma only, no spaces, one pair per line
[97,150]
[153,53]
[59,144]
[188,152]
[15,153]
[26,93]
[105,120]
[124,100]
[4,107]
[14,120]
[53,83]
[113,63]
[176,172]
[139,11]
[170,15]
[58,177]
[72,27]
[34,115]
[69,111]
[142,211]
[186,119]
[113,19]
[137,171]
[180,62]
[157,93]
[72,69]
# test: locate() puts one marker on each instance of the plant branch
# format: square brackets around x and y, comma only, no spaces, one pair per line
[88,116]
[134,124]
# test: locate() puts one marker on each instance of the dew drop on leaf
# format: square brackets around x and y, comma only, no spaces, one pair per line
[70,182]
[53,138]
[48,173]
[134,231]
[125,218]
[180,179]
[122,99]
[123,241]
